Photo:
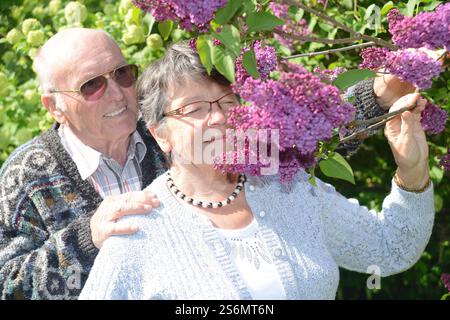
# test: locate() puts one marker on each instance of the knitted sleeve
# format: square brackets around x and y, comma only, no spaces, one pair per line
[40,260]
[366,108]
[389,241]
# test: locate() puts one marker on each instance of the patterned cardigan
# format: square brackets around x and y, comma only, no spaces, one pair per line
[46,250]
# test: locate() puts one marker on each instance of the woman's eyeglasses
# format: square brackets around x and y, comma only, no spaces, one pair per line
[94,88]
[201,109]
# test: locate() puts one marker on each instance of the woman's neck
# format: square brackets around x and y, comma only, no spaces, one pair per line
[202,182]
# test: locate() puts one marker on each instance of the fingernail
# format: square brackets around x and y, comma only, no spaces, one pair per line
[156,203]
[148,207]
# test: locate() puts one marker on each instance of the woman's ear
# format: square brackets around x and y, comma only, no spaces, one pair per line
[163,143]
[48,100]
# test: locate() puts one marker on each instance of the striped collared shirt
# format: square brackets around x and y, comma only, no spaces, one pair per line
[106,175]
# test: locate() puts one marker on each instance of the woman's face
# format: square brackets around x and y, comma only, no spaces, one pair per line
[197,133]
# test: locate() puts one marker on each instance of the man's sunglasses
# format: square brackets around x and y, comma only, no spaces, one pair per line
[94,88]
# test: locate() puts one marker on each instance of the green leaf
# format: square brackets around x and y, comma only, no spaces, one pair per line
[431,6]
[164,28]
[348,3]
[250,6]
[438,202]
[223,15]
[223,62]
[136,14]
[336,166]
[352,77]
[230,38]
[387,6]
[410,7]
[149,20]
[262,21]
[312,178]
[250,64]
[436,174]
[204,48]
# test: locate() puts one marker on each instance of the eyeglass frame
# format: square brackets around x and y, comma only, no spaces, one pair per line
[107,75]
[177,111]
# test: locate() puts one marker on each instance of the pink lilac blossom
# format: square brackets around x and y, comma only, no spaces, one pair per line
[290,26]
[304,109]
[445,163]
[427,29]
[433,119]
[266,59]
[188,13]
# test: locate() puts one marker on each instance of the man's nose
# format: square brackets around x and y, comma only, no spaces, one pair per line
[114,90]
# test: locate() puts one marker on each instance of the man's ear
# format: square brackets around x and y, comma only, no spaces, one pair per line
[48,100]
[163,143]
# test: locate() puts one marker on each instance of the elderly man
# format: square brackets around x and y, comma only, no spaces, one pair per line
[63,193]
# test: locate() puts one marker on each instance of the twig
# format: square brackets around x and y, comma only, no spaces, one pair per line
[342,26]
[316,39]
[316,53]
[376,122]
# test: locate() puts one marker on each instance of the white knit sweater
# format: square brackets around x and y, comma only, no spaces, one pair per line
[310,231]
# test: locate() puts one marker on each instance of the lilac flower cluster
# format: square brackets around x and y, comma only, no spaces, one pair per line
[188,13]
[328,75]
[266,59]
[427,29]
[374,58]
[412,65]
[304,109]
[445,278]
[433,119]
[445,163]
[290,26]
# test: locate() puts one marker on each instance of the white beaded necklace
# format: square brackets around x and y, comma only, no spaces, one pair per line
[206,204]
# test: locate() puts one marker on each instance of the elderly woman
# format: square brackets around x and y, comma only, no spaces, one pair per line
[221,236]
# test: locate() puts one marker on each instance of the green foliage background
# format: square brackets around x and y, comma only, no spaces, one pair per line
[22,116]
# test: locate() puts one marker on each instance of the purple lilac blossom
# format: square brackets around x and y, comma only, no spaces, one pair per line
[427,29]
[304,109]
[445,278]
[290,26]
[433,119]
[266,59]
[328,75]
[188,13]
[445,163]
[373,58]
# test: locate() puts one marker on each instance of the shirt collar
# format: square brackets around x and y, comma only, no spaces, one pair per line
[87,159]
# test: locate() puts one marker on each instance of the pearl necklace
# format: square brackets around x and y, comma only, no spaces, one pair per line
[206,204]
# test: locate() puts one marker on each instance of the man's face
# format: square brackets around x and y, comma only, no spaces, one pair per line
[113,116]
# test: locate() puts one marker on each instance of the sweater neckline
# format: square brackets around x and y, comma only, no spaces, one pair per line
[214,240]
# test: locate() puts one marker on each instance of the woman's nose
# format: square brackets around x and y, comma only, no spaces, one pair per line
[217,115]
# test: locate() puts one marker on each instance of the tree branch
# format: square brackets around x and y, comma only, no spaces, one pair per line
[316,53]
[376,122]
[342,26]
[316,39]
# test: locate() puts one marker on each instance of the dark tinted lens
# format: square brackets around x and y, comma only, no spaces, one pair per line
[126,76]
[93,88]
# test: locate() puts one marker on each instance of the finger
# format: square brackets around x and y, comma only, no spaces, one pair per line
[118,228]
[142,196]
[130,208]
[421,104]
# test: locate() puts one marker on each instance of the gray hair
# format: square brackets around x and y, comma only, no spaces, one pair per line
[179,64]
